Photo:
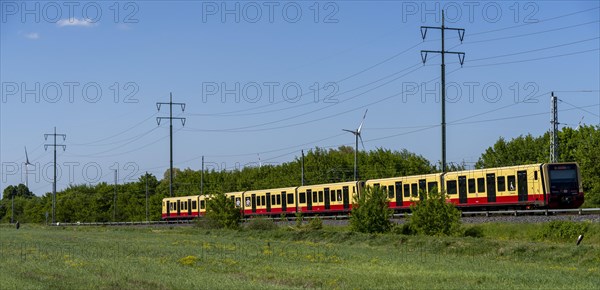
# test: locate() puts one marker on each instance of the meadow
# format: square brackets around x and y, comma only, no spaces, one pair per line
[163,257]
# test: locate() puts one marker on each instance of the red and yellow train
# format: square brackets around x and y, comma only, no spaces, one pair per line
[546,185]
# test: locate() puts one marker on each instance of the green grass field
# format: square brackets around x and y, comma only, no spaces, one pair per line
[508,256]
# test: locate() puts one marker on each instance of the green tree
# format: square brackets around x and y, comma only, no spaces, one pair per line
[434,216]
[19,190]
[221,211]
[370,212]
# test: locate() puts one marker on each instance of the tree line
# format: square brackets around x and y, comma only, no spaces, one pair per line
[95,203]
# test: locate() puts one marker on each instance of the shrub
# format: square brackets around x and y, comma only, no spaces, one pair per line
[563,230]
[299,219]
[434,216]
[261,224]
[315,224]
[370,212]
[221,212]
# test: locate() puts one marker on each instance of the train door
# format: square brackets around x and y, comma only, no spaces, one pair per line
[327,199]
[189,204]
[346,197]
[283,201]
[422,189]
[522,185]
[399,194]
[178,208]
[491,187]
[309,199]
[268,202]
[168,208]
[462,189]
[253,202]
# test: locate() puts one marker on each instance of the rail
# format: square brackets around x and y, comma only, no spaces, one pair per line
[580,211]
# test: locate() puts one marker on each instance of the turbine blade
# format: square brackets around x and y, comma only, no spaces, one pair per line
[353,132]
[26,157]
[361,142]
[362,121]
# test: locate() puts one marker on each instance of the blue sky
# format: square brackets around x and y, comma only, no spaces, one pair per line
[95,71]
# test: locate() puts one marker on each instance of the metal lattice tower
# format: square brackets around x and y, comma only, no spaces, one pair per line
[554,129]
[170,103]
[461,58]
[54,145]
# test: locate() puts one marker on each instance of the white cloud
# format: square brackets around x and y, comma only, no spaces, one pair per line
[32,35]
[75,22]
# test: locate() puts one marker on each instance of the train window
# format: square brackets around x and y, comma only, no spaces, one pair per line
[501,183]
[471,185]
[320,196]
[263,200]
[407,190]
[314,194]
[332,195]
[273,199]
[512,184]
[480,185]
[451,186]
[202,204]
[535,175]
[302,197]
[376,185]
[194,204]
[414,190]
[290,198]
[238,202]
[339,195]
[431,185]
[391,191]
[279,199]
[258,202]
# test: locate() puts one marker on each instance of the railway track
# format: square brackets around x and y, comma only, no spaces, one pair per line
[583,214]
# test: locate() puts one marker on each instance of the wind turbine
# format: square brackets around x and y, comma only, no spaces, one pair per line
[579,125]
[27,168]
[357,136]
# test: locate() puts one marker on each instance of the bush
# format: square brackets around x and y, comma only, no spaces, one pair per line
[563,230]
[433,216]
[261,224]
[299,219]
[370,212]
[315,224]
[222,213]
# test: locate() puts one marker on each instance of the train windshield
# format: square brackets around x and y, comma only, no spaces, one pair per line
[563,178]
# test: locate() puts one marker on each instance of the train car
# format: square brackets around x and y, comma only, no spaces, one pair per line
[238,199]
[521,186]
[403,191]
[273,201]
[183,207]
[327,198]
[562,185]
